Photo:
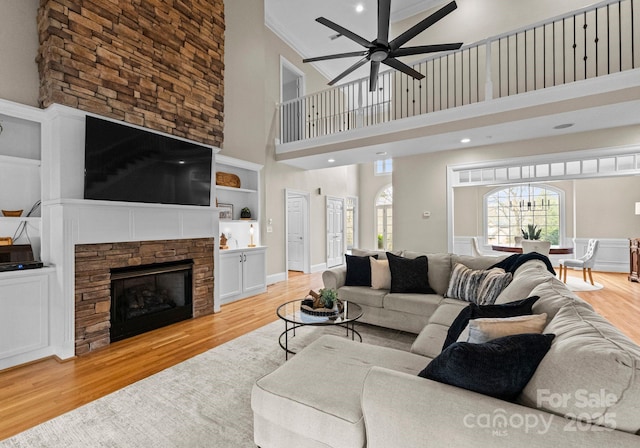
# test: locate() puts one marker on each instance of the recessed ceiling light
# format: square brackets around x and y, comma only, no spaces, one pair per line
[331,160]
[465,140]
[381,153]
[563,126]
[181,162]
[359,8]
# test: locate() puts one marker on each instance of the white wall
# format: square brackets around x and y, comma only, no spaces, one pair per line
[420,182]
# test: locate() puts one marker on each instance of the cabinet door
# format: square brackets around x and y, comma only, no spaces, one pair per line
[254,272]
[24,315]
[230,275]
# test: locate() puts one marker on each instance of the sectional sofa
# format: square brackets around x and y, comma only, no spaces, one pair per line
[339,393]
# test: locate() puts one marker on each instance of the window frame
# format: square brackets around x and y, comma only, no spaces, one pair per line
[561,209]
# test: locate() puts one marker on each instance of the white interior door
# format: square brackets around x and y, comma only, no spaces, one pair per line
[295,235]
[335,231]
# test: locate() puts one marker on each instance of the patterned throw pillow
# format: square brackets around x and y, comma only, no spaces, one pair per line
[481,287]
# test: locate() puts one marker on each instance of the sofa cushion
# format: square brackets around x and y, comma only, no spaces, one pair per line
[291,397]
[553,296]
[477,263]
[380,274]
[448,311]
[439,269]
[429,341]
[382,255]
[474,311]
[409,275]
[477,286]
[499,368]
[525,278]
[362,295]
[591,372]
[487,328]
[420,304]
[358,270]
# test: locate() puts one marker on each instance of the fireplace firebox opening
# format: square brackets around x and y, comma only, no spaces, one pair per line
[144,298]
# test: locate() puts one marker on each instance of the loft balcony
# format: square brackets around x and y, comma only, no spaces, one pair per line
[580,68]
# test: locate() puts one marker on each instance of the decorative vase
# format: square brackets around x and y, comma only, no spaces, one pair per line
[245,213]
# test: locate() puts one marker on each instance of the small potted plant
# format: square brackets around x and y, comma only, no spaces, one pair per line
[245,213]
[329,297]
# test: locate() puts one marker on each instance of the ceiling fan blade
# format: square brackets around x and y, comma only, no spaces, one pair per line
[336,56]
[373,76]
[345,32]
[421,26]
[408,51]
[384,14]
[404,68]
[349,70]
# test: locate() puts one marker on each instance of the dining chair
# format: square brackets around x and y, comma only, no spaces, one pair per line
[542,247]
[475,249]
[586,262]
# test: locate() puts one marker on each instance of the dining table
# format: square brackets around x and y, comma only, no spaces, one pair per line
[517,249]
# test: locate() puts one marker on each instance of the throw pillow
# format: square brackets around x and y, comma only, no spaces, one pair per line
[358,271]
[474,311]
[477,286]
[499,368]
[409,275]
[380,274]
[485,329]
[493,284]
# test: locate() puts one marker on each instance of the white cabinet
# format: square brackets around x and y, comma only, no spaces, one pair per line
[243,273]
[24,316]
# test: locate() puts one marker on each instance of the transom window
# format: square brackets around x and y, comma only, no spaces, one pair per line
[510,209]
[383,167]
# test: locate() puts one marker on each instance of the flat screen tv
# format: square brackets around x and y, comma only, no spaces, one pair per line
[124,163]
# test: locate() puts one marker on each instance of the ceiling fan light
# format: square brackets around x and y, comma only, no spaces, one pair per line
[379,55]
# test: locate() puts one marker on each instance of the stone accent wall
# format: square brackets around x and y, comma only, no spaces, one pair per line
[154,63]
[93,263]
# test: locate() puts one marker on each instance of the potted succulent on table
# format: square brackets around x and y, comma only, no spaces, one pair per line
[532,232]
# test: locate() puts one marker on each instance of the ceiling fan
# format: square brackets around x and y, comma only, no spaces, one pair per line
[380,50]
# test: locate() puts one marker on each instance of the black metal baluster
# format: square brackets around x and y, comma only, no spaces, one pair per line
[585,26]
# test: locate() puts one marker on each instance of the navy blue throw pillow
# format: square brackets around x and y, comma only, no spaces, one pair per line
[474,311]
[499,368]
[358,270]
[409,275]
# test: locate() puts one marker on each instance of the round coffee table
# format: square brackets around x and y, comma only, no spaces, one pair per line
[294,317]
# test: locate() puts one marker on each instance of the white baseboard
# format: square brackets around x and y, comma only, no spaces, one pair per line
[319,267]
[275,278]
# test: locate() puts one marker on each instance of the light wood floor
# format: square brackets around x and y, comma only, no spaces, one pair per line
[34,393]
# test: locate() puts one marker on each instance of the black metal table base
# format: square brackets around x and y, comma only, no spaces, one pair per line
[349,327]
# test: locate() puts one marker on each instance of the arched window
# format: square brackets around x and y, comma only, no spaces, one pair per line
[384,218]
[509,210]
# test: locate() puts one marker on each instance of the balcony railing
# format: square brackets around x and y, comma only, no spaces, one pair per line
[587,43]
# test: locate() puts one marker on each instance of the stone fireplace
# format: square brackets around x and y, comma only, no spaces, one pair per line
[96,264]
[147,297]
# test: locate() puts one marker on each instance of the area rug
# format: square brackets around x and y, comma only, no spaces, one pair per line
[577,285]
[202,402]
